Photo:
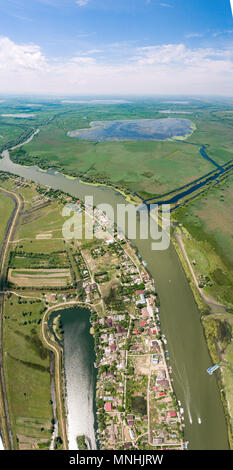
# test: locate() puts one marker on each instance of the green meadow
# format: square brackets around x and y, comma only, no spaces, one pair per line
[145,167]
[29,398]
[6,209]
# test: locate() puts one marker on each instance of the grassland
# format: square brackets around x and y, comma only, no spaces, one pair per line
[6,208]
[147,168]
[208,240]
[29,398]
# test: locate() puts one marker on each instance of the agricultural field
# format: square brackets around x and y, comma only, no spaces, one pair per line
[41,222]
[39,278]
[29,397]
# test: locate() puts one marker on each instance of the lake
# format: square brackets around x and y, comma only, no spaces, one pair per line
[80,374]
[135,129]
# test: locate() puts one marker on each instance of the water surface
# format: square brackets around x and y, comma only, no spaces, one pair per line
[135,129]
[80,374]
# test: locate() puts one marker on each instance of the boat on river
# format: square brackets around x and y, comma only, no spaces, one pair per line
[212,369]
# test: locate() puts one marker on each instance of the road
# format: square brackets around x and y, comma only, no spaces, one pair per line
[4,411]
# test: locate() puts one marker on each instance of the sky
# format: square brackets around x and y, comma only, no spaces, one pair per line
[116,47]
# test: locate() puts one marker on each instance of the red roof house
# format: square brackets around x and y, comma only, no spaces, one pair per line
[108,406]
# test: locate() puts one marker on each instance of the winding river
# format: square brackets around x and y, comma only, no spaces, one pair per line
[205,426]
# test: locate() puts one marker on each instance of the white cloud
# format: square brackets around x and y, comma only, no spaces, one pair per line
[225,31]
[83,60]
[82,3]
[181,56]
[15,57]
[166,5]
[165,69]
[194,35]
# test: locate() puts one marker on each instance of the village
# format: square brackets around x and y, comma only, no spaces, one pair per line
[136,406]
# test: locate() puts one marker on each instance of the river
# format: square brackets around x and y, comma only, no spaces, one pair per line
[205,425]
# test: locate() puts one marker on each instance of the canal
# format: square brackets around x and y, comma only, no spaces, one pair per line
[205,425]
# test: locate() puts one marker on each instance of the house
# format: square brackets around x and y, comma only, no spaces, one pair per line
[109,322]
[161,374]
[108,406]
[108,374]
[157,441]
[172,414]
[131,423]
[162,383]
[154,359]
[129,417]
[145,312]
[121,329]
[128,445]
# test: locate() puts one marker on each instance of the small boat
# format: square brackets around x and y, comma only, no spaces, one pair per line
[212,369]
[199,420]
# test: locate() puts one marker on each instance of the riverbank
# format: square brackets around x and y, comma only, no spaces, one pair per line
[208,308]
[25,160]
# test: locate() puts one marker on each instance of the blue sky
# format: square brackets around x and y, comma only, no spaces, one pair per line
[52,45]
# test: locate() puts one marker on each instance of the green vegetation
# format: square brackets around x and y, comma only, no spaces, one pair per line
[147,168]
[53,260]
[208,241]
[6,208]
[29,398]
[81,441]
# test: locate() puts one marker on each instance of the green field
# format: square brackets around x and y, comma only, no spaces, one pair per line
[147,168]
[6,208]
[29,395]
[208,221]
